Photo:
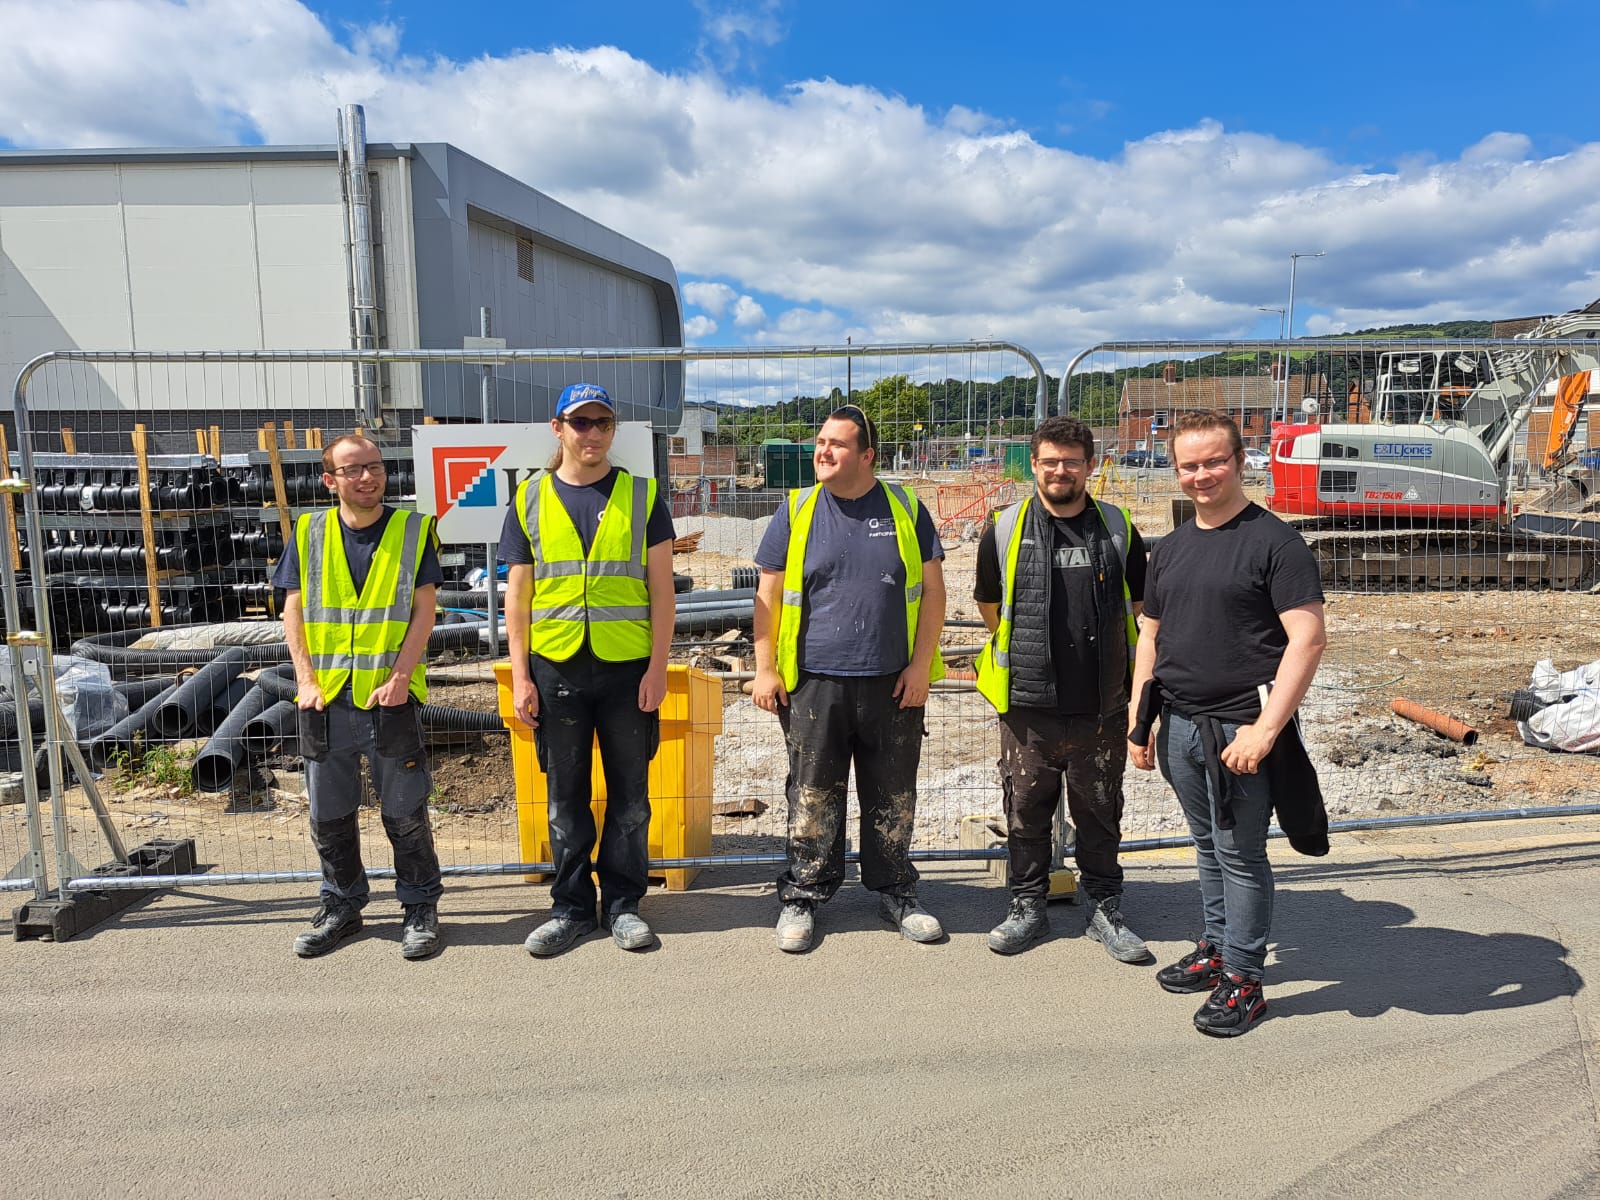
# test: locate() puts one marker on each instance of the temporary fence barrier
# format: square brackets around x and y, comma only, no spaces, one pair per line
[153,492]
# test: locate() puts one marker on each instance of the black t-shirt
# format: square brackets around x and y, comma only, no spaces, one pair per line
[584,503]
[1218,593]
[1075,618]
[854,615]
[359,545]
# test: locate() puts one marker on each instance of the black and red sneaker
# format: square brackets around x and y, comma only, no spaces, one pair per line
[1197,971]
[1234,1006]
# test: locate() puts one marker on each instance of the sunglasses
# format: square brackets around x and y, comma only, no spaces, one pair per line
[585,424]
[854,414]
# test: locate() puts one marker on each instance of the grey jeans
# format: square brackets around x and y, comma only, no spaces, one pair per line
[1235,876]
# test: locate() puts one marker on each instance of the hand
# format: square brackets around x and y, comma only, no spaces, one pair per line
[1249,746]
[309,695]
[1143,757]
[911,689]
[768,691]
[393,692]
[525,699]
[653,688]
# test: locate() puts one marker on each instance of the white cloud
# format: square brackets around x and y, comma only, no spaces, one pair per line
[848,210]
[747,314]
[713,298]
[697,329]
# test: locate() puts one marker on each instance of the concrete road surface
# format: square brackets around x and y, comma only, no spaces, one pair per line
[1431,1033]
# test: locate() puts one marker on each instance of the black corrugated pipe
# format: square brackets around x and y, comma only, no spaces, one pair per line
[102,749]
[184,710]
[713,616]
[137,691]
[225,753]
[271,729]
[437,718]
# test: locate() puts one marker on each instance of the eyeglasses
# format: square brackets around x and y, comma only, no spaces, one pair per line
[357,470]
[585,424]
[1210,464]
[1061,464]
[857,416]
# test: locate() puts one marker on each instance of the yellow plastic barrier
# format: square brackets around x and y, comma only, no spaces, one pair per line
[680,774]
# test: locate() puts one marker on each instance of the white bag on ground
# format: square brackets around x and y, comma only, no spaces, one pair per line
[1572,725]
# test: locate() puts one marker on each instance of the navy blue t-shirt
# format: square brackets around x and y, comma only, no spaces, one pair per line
[359,545]
[584,503]
[854,619]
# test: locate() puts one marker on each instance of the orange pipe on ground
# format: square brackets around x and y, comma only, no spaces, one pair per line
[1453,729]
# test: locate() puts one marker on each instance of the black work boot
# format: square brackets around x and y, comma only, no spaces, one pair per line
[1106,926]
[333,922]
[419,937]
[1026,922]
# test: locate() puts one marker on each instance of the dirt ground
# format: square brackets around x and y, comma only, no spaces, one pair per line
[1458,653]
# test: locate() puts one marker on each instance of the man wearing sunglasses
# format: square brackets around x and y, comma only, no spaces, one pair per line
[1060,579]
[847,620]
[589,613]
[360,580]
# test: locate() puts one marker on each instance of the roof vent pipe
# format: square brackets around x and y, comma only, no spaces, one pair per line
[358,215]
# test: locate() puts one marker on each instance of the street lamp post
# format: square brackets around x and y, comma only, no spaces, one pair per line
[1294,262]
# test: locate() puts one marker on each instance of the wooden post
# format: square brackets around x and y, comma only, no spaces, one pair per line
[69,440]
[147,523]
[269,434]
[288,435]
[10,512]
[214,437]
[199,441]
[314,439]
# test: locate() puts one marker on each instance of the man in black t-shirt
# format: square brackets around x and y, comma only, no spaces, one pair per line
[1233,632]
[1060,580]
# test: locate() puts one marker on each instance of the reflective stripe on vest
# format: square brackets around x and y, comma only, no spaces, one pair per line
[802,507]
[355,638]
[604,593]
[994,662]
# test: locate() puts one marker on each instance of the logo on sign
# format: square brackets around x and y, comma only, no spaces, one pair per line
[462,477]
[1403,449]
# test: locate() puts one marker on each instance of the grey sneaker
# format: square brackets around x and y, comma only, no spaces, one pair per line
[419,933]
[908,915]
[797,925]
[629,931]
[558,934]
[1024,925]
[333,922]
[1106,926]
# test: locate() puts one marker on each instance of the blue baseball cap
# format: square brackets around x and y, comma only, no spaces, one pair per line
[576,395]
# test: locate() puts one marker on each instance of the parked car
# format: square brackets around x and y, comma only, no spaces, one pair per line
[1144,458]
[1256,459]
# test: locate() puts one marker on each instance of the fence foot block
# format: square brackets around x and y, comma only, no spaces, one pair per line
[58,918]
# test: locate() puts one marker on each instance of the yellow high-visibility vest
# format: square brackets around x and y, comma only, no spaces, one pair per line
[355,639]
[605,592]
[802,507]
[993,665]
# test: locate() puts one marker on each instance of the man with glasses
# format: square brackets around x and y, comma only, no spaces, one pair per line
[847,620]
[589,615]
[360,580]
[1232,637]
[1060,578]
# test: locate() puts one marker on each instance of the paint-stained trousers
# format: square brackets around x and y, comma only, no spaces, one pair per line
[830,722]
[1037,747]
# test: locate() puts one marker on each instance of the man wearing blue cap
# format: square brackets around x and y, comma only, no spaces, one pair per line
[589,613]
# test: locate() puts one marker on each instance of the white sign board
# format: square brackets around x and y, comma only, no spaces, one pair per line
[467,474]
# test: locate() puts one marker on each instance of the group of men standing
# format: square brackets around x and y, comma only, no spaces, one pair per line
[1214,637]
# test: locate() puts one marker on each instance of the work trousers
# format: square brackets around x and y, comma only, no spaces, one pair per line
[830,722]
[1037,747]
[1235,876]
[581,700]
[402,783]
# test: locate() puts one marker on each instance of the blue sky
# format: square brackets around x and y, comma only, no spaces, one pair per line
[929,172]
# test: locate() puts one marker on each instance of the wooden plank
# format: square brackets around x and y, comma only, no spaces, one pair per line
[10,512]
[314,439]
[199,441]
[69,440]
[147,523]
[214,437]
[288,435]
[269,434]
